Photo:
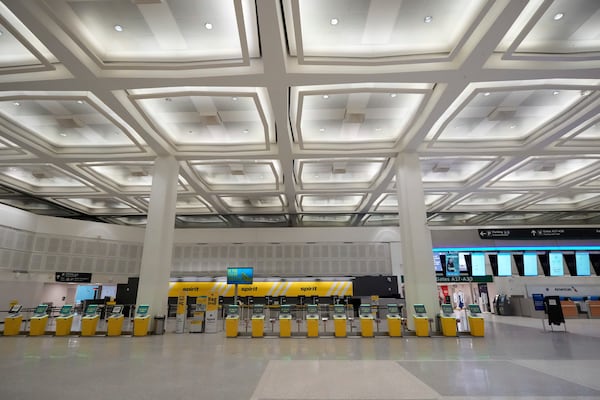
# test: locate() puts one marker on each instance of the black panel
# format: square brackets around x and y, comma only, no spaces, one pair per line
[545,263]
[385,286]
[519,263]
[570,261]
[469,264]
[494,263]
[595,261]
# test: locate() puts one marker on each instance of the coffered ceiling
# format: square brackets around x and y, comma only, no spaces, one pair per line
[294,112]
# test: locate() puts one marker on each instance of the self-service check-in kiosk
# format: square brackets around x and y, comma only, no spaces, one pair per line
[448,320]
[89,321]
[394,320]
[232,320]
[258,320]
[114,324]
[421,320]
[312,320]
[141,321]
[366,320]
[39,320]
[475,320]
[12,323]
[285,320]
[64,321]
[339,320]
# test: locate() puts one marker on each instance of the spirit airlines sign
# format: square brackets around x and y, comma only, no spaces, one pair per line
[263,289]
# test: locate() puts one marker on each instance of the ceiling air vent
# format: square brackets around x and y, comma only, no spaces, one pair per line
[139,173]
[210,120]
[354,118]
[69,122]
[441,168]
[39,175]
[502,114]
[339,168]
[545,167]
[237,169]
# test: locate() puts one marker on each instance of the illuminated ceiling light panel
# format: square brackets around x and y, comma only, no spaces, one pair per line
[538,171]
[26,204]
[324,202]
[201,219]
[579,216]
[197,117]
[452,217]
[236,175]
[41,176]
[190,203]
[162,31]
[374,31]
[262,202]
[452,170]
[325,218]
[489,199]
[568,199]
[381,219]
[432,198]
[506,115]
[132,220]
[516,217]
[387,202]
[555,33]
[263,219]
[352,172]
[100,203]
[126,174]
[366,116]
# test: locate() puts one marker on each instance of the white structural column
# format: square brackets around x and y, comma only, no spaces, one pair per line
[417,257]
[158,240]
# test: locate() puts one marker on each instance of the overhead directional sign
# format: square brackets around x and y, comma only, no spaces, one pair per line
[539,234]
[73,277]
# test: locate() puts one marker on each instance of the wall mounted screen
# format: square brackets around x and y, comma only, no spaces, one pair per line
[530,264]
[582,261]
[504,264]
[462,262]
[452,265]
[556,264]
[478,264]
[242,276]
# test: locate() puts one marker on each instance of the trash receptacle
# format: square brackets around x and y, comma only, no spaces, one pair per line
[159,325]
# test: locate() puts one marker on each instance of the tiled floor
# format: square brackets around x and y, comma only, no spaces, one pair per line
[515,360]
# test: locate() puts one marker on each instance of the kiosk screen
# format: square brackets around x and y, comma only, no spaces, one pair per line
[364,309]
[285,309]
[258,309]
[41,309]
[393,309]
[15,309]
[420,309]
[311,309]
[447,309]
[143,310]
[91,309]
[66,309]
[474,308]
[117,309]
[339,309]
[232,309]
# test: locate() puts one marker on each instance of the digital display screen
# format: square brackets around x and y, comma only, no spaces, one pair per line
[393,309]
[312,309]
[437,263]
[447,309]
[117,309]
[365,309]
[452,265]
[462,263]
[285,309]
[258,309]
[340,309]
[66,309]
[91,309]
[474,308]
[240,276]
[232,309]
[143,309]
[477,264]
[504,264]
[420,309]
[41,309]
[530,266]
[582,262]
[556,264]
[15,309]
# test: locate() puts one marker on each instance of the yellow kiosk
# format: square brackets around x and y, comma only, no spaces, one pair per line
[89,321]
[312,320]
[12,323]
[285,321]
[448,320]
[475,320]
[258,320]
[141,321]
[366,320]
[64,321]
[114,324]
[339,320]
[232,321]
[421,320]
[39,320]
[394,320]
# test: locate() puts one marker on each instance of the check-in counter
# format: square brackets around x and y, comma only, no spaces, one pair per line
[12,323]
[394,320]
[232,321]
[64,321]
[421,320]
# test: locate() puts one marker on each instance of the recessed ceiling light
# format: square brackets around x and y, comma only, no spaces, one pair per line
[555,93]
[79,101]
[190,132]
[428,19]
[168,99]
[234,98]
[63,134]
[16,103]
[558,16]
[245,131]
[393,95]
[586,92]
[325,96]
[118,28]
[377,129]
[208,26]
[334,21]
[486,94]
[321,129]
[513,126]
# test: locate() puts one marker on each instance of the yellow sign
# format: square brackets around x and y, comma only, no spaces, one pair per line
[263,289]
[181,303]
[213,302]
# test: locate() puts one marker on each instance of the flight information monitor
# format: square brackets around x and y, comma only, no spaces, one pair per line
[15,309]
[66,309]
[339,309]
[312,309]
[477,264]
[117,309]
[41,309]
[142,310]
[582,263]
[504,264]
[393,309]
[447,309]
[530,264]
[420,309]
[474,308]
[556,264]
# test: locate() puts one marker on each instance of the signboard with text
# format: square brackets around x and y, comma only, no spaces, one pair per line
[539,234]
[73,277]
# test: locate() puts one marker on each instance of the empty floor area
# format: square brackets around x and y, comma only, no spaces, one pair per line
[516,359]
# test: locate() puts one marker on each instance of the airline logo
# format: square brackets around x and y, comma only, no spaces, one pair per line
[263,289]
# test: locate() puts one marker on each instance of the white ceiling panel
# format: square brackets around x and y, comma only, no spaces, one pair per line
[238,175]
[341,172]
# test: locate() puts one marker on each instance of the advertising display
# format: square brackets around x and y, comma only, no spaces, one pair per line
[530,264]
[477,264]
[452,264]
[582,262]
[504,264]
[556,264]
[240,276]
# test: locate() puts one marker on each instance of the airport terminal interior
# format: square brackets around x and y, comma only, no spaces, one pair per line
[300,199]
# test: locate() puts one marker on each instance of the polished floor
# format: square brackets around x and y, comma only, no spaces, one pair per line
[516,359]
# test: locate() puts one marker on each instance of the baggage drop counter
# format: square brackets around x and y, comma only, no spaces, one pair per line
[312,320]
[12,323]
[115,321]
[340,320]
[476,322]
[366,320]
[394,320]
[64,321]
[141,321]
[89,321]
[39,320]
[448,320]
[232,321]
[421,320]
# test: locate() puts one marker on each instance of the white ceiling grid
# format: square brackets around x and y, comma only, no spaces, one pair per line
[293,112]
